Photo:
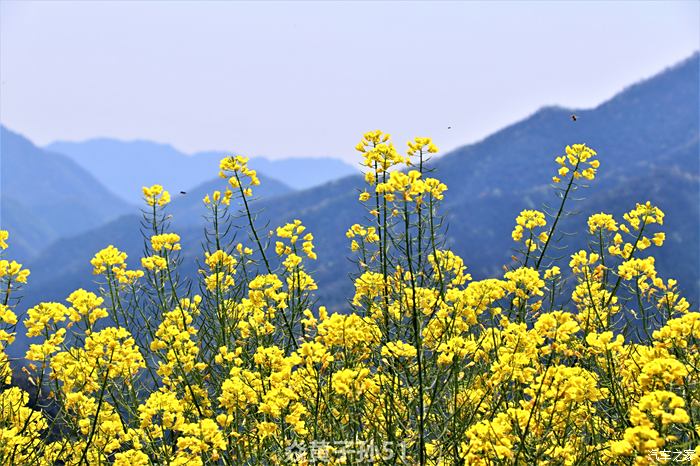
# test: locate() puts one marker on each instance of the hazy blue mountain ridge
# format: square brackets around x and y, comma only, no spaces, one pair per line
[45,196]
[125,166]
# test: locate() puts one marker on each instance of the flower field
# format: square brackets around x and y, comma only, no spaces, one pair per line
[584,360]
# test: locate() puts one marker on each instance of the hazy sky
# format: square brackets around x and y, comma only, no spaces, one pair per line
[291,79]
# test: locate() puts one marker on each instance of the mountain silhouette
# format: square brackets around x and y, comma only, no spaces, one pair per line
[125,166]
[45,196]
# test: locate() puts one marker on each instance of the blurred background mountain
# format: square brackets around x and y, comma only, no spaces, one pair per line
[46,196]
[64,203]
[125,166]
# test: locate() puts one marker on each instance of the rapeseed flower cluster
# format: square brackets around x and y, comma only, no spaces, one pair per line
[421,146]
[11,271]
[165,242]
[218,198]
[156,196]
[589,359]
[222,268]
[528,221]
[112,261]
[579,161]
[239,176]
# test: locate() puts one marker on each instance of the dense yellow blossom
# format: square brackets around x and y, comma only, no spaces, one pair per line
[580,161]
[524,282]
[19,425]
[409,187]
[240,177]
[421,145]
[12,271]
[594,363]
[600,222]
[449,263]
[680,332]
[582,259]
[398,349]
[85,305]
[378,151]
[108,258]
[154,262]
[40,316]
[156,195]
[111,260]
[166,242]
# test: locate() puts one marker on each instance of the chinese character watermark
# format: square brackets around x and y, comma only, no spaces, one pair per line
[358,451]
[676,456]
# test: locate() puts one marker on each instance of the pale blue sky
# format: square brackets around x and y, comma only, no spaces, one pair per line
[292,79]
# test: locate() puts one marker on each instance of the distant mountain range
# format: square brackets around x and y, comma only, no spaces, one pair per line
[125,166]
[46,196]
[646,137]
